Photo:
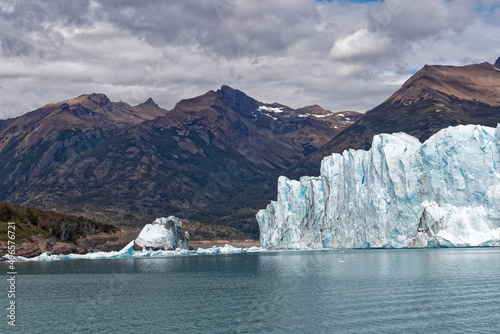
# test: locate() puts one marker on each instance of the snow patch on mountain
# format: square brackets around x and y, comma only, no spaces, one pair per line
[270,109]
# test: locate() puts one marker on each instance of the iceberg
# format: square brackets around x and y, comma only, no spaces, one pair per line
[163,233]
[400,193]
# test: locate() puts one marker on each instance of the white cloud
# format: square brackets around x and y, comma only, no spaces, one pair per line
[362,45]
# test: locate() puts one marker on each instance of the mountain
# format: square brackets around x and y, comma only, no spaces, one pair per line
[124,164]
[47,137]
[434,98]
[84,113]
[401,193]
[273,135]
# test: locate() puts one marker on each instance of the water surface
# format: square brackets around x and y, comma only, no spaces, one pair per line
[352,291]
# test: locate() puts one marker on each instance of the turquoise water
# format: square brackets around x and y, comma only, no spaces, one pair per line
[352,291]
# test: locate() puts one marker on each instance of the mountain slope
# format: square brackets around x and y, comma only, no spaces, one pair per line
[189,162]
[47,137]
[86,112]
[434,98]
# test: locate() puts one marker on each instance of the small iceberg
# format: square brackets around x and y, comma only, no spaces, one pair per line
[163,234]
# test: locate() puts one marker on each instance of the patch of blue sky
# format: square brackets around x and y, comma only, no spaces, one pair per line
[489,12]
[400,71]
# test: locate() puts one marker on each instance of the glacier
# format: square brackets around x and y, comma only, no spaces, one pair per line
[399,194]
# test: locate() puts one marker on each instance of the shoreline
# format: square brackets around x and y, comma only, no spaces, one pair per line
[101,242]
[246,243]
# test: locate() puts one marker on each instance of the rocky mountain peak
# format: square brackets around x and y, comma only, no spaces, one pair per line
[227,89]
[93,100]
[476,82]
[230,95]
[314,109]
[497,63]
[150,102]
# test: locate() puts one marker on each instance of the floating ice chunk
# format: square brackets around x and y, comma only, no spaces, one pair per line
[228,249]
[253,249]
[163,233]
[213,250]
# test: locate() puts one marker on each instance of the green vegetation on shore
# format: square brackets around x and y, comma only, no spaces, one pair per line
[33,222]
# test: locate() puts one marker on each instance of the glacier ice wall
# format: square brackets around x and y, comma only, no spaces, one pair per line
[163,233]
[401,193]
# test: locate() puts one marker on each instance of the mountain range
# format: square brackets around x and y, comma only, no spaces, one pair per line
[214,158]
[129,164]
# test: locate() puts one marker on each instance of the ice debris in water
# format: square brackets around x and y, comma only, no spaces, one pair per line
[129,252]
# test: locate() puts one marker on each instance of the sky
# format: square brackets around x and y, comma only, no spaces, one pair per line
[342,55]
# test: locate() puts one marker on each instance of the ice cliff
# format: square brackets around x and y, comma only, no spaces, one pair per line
[163,233]
[401,193]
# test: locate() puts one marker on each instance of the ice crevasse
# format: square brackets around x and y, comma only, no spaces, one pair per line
[400,193]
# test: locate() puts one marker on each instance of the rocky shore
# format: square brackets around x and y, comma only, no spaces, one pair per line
[91,243]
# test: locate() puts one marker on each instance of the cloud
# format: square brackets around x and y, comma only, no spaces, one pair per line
[362,45]
[222,27]
[412,20]
[31,28]
[338,54]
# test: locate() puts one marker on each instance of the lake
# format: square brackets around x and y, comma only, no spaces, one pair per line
[351,291]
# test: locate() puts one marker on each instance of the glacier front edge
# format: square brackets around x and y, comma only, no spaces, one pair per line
[400,193]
